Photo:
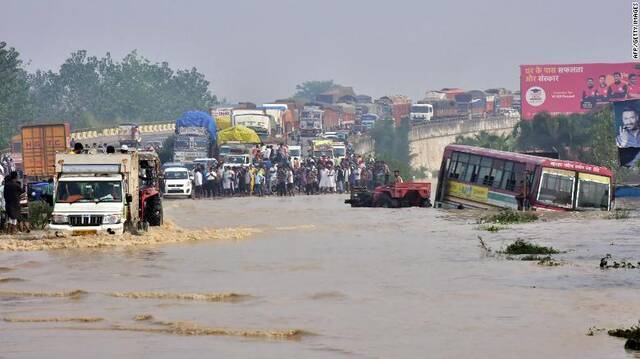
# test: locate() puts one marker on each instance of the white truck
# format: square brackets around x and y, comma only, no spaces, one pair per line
[421,113]
[257,120]
[105,194]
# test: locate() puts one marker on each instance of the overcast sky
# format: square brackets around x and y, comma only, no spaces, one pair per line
[258,50]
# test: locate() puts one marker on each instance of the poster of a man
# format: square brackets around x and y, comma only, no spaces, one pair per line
[633,88]
[628,131]
[618,89]
[602,89]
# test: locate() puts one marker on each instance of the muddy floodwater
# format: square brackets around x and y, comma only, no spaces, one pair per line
[317,278]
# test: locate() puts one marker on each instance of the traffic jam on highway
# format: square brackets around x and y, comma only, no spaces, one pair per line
[279,149]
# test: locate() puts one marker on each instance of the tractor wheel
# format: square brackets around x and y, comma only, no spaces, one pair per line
[426,203]
[153,213]
[385,201]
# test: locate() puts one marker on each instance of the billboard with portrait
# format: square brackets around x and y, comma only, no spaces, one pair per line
[627,127]
[575,88]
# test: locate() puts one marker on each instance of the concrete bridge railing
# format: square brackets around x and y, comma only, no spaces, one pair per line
[113,131]
[427,142]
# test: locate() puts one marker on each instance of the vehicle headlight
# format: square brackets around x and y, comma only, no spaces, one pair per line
[59,219]
[111,219]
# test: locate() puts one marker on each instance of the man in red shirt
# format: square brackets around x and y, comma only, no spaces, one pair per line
[602,89]
[617,89]
[633,89]
[590,92]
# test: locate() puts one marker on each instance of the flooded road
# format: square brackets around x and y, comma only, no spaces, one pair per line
[320,279]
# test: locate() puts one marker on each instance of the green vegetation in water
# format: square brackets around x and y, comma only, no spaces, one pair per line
[509,216]
[618,214]
[631,334]
[520,246]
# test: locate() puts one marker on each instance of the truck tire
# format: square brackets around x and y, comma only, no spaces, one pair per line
[153,213]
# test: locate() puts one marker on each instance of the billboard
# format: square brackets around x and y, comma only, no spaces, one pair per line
[627,131]
[575,88]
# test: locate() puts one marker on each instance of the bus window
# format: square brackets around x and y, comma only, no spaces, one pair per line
[460,166]
[484,176]
[556,188]
[472,170]
[496,173]
[593,191]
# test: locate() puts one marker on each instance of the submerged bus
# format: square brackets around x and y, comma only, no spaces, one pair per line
[484,178]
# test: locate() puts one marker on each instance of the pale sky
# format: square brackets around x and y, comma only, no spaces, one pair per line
[258,50]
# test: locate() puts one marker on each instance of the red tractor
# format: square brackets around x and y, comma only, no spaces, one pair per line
[150,201]
[407,194]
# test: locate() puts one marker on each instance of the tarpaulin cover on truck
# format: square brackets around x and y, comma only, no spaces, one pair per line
[223,122]
[239,134]
[198,119]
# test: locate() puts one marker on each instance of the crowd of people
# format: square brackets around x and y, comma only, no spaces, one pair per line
[275,172]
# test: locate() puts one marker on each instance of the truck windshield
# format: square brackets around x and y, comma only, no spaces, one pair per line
[339,151]
[326,153]
[294,152]
[176,175]
[420,109]
[238,160]
[89,191]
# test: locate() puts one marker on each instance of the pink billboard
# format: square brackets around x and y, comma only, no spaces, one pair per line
[575,88]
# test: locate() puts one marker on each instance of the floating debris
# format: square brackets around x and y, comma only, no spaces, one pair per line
[54,320]
[607,262]
[632,335]
[619,213]
[210,297]
[143,317]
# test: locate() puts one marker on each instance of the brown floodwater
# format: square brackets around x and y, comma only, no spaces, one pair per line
[311,277]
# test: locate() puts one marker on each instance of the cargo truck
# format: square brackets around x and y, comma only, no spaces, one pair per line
[196,136]
[311,119]
[257,120]
[105,193]
[40,143]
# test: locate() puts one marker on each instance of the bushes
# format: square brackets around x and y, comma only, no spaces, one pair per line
[508,216]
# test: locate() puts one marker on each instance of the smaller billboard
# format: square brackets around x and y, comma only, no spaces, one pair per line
[627,127]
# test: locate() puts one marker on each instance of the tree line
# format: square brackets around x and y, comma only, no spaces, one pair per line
[92,92]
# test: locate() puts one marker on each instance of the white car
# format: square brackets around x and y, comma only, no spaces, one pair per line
[177,182]
[237,161]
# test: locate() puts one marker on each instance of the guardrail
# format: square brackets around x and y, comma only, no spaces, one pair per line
[113,131]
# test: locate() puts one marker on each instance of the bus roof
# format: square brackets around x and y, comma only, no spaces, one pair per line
[542,161]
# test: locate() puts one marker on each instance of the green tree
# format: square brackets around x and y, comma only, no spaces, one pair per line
[310,89]
[96,92]
[488,140]
[391,144]
[15,105]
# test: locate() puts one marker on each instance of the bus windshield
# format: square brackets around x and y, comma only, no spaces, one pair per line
[593,191]
[556,187]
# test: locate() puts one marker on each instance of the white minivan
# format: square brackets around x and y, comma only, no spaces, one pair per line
[177,182]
